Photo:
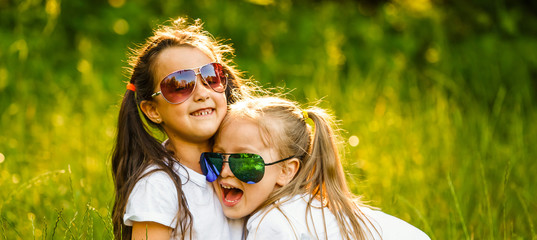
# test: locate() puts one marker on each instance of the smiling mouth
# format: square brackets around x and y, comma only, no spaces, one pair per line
[202,112]
[231,195]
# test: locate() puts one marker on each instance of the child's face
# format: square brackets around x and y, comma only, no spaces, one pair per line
[197,118]
[238,198]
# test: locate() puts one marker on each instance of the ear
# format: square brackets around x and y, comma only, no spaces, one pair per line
[150,110]
[289,170]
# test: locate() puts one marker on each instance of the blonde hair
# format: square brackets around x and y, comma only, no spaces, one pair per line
[285,126]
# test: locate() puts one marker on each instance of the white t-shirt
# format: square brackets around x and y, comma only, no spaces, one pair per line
[154,199]
[289,222]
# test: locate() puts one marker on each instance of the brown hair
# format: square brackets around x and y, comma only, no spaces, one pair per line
[284,125]
[136,148]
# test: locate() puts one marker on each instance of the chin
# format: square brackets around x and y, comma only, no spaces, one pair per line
[209,129]
[233,214]
[207,132]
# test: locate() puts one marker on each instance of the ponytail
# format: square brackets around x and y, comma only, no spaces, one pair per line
[125,161]
[328,178]
[324,156]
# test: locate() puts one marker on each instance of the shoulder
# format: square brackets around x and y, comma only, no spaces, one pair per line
[154,179]
[153,198]
[390,227]
[270,218]
[293,219]
[272,223]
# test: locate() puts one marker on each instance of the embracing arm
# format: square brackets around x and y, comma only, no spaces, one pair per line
[150,230]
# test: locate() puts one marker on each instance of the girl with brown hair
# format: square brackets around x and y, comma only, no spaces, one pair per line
[181,82]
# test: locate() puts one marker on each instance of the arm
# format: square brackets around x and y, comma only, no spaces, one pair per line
[150,230]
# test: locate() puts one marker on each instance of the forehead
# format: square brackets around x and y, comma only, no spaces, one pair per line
[239,133]
[177,58]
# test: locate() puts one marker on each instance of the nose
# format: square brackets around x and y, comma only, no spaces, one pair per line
[226,171]
[202,90]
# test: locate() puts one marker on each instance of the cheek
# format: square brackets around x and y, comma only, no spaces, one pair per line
[221,104]
[173,111]
[272,173]
[261,190]
[216,187]
[221,99]
[257,194]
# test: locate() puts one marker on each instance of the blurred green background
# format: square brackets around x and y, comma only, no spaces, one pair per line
[437,99]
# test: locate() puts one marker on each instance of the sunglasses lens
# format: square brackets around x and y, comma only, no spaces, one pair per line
[249,168]
[214,75]
[216,159]
[178,86]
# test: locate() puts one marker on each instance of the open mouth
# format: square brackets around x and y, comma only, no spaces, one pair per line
[231,195]
[202,112]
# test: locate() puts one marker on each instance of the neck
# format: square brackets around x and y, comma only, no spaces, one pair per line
[188,153]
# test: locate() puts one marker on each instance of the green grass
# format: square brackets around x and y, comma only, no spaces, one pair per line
[443,107]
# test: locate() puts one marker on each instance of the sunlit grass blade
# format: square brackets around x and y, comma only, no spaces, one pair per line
[504,200]
[527,214]
[487,200]
[457,205]
[30,184]
[56,223]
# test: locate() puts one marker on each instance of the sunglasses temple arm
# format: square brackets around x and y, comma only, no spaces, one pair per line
[279,161]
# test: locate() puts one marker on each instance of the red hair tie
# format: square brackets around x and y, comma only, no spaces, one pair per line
[131,87]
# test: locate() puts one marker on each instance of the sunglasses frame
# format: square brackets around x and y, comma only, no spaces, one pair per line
[197,71]
[211,173]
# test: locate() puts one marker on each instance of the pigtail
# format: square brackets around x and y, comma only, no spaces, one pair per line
[125,161]
[328,178]
[134,150]
[324,156]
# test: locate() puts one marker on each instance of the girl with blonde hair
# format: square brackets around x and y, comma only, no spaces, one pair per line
[181,81]
[285,176]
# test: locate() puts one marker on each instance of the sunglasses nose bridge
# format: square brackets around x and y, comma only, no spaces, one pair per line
[202,80]
[200,77]
[205,87]
[197,72]
[226,169]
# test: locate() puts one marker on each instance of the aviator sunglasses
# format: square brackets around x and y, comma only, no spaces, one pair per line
[178,86]
[247,167]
